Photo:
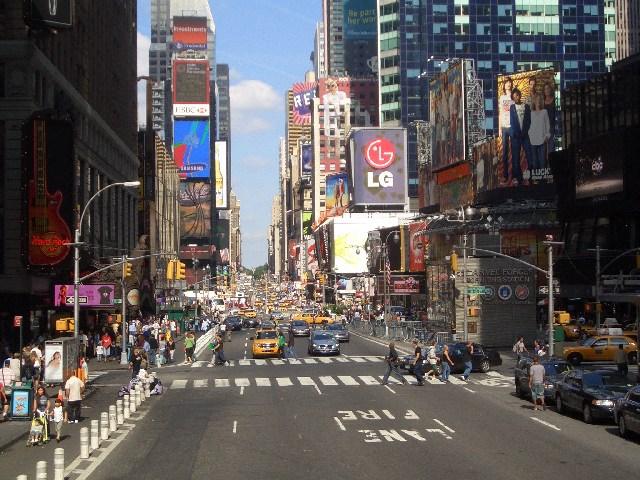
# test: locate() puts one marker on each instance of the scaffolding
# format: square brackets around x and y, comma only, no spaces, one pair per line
[474,107]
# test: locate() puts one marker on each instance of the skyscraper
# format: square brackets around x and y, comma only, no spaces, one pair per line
[627,27]
[224,102]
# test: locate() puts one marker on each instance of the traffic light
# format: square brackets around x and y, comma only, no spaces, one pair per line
[171,272]
[454,262]
[127,270]
[180,270]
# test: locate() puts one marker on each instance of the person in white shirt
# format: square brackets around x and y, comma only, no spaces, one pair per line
[504,123]
[73,389]
[58,418]
[539,133]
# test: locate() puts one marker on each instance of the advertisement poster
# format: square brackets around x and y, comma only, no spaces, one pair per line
[599,166]
[360,37]
[337,197]
[98,295]
[523,149]
[20,404]
[379,166]
[306,160]
[49,194]
[406,285]
[195,210]
[190,82]
[303,93]
[307,220]
[418,241]
[189,33]
[312,257]
[334,93]
[53,371]
[191,148]
[456,193]
[446,114]
[221,175]
[349,254]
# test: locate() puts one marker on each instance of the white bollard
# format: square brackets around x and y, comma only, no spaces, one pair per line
[22,477]
[132,401]
[119,415]
[113,426]
[138,395]
[58,464]
[104,426]
[41,470]
[147,392]
[125,406]
[84,443]
[95,435]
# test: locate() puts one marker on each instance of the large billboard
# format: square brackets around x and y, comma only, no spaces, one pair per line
[195,210]
[307,221]
[455,187]
[526,129]
[191,148]
[599,166]
[336,104]
[337,196]
[446,114]
[379,166]
[189,33]
[306,160]
[303,93]
[49,196]
[359,31]
[418,241]
[349,255]
[221,174]
[88,295]
[190,88]
[49,13]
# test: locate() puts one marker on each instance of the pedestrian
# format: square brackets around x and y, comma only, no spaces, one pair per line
[291,344]
[171,345]
[220,358]
[281,343]
[536,383]
[621,360]
[105,341]
[136,362]
[519,347]
[446,364]
[392,365]
[417,363]
[467,353]
[73,390]
[162,347]
[189,346]
[213,346]
[432,360]
[153,350]
[4,401]
[62,397]
[58,418]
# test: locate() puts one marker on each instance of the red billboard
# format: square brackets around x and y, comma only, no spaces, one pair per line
[189,33]
[418,241]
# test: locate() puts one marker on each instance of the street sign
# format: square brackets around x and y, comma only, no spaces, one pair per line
[544,290]
[117,301]
[81,300]
[17,321]
[477,290]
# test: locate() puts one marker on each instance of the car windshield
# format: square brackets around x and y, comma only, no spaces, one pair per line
[610,382]
[322,336]
[263,335]
[335,327]
[299,323]
[587,342]
[556,368]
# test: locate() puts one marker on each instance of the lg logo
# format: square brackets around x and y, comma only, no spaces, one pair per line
[380,154]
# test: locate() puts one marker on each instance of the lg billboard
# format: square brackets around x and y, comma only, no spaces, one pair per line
[379,166]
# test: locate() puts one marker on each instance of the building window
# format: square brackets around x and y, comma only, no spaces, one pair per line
[462,29]
[439,10]
[570,30]
[527,47]
[439,28]
[484,65]
[591,9]
[484,47]
[483,29]
[505,11]
[484,10]
[505,29]
[505,66]
[569,10]
[570,66]
[505,47]
[461,9]
[570,47]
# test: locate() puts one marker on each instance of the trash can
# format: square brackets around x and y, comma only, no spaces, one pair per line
[558,333]
[21,402]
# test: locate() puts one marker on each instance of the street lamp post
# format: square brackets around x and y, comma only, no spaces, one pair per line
[76,253]
[385,259]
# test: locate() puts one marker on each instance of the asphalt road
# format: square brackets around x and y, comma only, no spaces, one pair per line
[329,419]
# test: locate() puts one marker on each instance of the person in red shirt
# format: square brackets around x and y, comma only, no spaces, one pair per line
[106,341]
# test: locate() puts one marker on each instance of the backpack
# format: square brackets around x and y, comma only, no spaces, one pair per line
[281,342]
[213,345]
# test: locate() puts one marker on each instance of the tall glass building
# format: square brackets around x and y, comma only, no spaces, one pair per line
[417,38]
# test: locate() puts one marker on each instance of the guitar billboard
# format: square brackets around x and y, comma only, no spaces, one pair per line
[48,165]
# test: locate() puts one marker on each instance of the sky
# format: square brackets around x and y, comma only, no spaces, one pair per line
[267,44]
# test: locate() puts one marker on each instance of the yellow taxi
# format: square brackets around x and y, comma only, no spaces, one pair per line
[601,348]
[249,313]
[307,317]
[265,343]
[322,319]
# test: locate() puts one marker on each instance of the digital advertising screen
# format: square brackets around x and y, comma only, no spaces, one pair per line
[191,148]
[190,82]
[189,33]
[221,175]
[303,93]
[195,210]
[306,159]
[599,166]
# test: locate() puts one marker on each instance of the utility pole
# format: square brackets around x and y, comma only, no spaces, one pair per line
[124,358]
[464,289]
[598,307]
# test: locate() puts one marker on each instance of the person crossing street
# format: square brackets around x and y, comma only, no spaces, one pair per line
[417,363]
[392,366]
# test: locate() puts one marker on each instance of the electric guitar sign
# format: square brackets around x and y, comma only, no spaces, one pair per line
[49,233]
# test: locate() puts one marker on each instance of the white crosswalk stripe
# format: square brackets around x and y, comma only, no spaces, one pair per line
[328,381]
[244,363]
[284,381]
[392,380]
[368,380]
[204,383]
[263,382]
[242,382]
[309,360]
[325,360]
[179,384]
[306,381]
[199,363]
[247,362]
[277,362]
[456,380]
[358,359]
[373,359]
[347,380]
[342,359]
[222,382]
[260,361]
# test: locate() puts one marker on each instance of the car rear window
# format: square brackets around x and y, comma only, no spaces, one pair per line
[266,335]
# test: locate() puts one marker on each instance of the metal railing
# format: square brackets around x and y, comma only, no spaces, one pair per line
[400,331]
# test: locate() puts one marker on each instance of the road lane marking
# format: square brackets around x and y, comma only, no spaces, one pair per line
[348,380]
[438,430]
[222,382]
[448,429]
[199,363]
[259,361]
[456,381]
[210,365]
[373,358]
[325,360]
[391,380]
[263,382]
[546,424]
[328,381]
[179,384]
[309,360]
[241,390]
[284,381]
[242,382]
[469,390]
[340,425]
[357,359]
[368,380]
[294,361]
[245,362]
[342,359]
[307,381]
[317,389]
[202,383]
[245,344]
[390,389]
[277,362]
[235,426]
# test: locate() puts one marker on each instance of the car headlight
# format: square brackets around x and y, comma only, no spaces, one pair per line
[603,403]
[548,385]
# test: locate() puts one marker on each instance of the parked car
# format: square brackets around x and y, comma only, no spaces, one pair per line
[591,392]
[233,323]
[601,349]
[300,328]
[339,331]
[323,342]
[482,359]
[554,368]
[627,413]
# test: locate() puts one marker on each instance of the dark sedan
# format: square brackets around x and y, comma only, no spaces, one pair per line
[627,413]
[554,368]
[234,323]
[482,358]
[593,393]
[249,322]
[300,328]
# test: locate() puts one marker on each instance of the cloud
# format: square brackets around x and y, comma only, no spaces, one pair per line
[143,69]
[255,161]
[251,95]
[243,122]
[235,75]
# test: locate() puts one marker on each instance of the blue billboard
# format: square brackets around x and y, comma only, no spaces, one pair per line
[360,29]
[191,148]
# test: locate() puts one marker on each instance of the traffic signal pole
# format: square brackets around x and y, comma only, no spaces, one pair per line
[124,359]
